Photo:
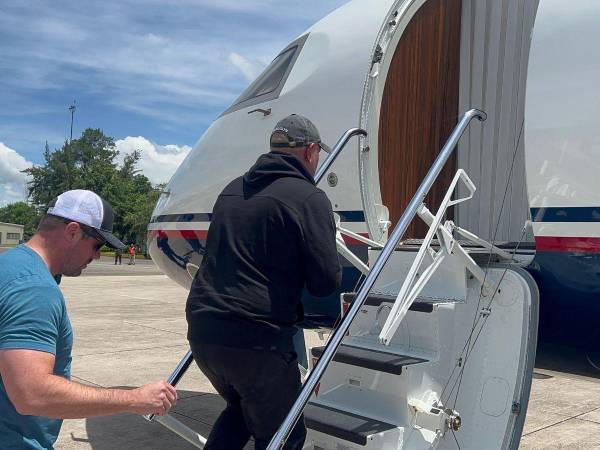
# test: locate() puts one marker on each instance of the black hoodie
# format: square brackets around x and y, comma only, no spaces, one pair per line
[271,233]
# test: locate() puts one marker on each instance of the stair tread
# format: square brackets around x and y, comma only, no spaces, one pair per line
[342,424]
[378,299]
[371,359]
[412,245]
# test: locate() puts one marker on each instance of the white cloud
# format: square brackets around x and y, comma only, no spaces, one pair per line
[250,69]
[158,162]
[12,180]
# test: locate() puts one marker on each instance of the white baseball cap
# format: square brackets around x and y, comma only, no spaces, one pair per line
[87,208]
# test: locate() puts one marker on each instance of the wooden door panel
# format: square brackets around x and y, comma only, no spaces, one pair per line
[419,108]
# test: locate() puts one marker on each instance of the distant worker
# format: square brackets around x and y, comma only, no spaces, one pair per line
[131,251]
[272,233]
[35,332]
[118,255]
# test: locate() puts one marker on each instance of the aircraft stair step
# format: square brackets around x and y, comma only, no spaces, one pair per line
[370,359]
[342,424]
[425,306]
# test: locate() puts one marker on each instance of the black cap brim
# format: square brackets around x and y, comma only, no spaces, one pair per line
[325,147]
[110,239]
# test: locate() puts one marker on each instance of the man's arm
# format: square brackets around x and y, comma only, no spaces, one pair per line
[34,390]
[321,261]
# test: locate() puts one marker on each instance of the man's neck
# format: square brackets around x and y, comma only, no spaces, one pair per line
[41,245]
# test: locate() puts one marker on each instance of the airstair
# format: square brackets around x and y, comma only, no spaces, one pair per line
[434,351]
[421,388]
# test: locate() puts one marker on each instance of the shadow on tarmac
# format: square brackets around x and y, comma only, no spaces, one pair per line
[197,410]
[564,359]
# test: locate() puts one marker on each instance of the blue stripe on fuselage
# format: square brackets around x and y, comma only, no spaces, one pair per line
[566,214]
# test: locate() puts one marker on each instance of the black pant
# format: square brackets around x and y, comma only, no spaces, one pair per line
[259,387]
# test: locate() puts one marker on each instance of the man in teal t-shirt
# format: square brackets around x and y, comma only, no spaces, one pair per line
[36,336]
[32,316]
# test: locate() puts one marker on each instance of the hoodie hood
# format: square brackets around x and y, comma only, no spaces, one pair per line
[271,166]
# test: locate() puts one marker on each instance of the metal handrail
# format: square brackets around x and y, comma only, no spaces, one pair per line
[176,375]
[337,148]
[336,338]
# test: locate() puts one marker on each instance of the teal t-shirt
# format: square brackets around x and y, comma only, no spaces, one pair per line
[33,316]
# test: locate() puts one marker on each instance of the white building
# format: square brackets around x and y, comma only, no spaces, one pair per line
[11,233]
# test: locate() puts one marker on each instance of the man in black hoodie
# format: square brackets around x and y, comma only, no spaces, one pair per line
[271,234]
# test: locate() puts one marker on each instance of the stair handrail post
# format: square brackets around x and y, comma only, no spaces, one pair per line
[337,148]
[336,338]
[176,375]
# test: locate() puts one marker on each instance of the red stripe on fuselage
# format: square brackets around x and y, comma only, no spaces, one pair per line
[351,241]
[567,244]
[184,234]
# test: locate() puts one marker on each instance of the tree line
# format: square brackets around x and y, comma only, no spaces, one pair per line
[89,162]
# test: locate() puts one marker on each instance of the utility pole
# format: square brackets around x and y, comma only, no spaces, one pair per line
[72,109]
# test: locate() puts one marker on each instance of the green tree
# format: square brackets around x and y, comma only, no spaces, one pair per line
[135,200]
[84,163]
[136,220]
[90,162]
[22,214]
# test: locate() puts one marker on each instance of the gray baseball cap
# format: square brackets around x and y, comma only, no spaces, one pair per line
[87,208]
[298,131]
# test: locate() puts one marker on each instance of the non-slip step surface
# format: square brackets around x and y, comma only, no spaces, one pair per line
[378,299]
[370,359]
[343,425]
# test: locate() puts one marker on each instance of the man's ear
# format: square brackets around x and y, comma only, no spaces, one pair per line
[72,232]
[307,154]
[311,151]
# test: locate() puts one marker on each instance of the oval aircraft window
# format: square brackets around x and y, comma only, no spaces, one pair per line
[269,83]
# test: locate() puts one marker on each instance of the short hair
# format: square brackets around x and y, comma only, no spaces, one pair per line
[279,137]
[50,223]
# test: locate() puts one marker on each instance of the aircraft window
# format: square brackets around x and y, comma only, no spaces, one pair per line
[268,85]
[270,78]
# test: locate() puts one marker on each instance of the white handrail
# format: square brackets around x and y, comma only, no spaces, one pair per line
[411,287]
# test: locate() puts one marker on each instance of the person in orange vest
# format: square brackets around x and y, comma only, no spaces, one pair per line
[131,251]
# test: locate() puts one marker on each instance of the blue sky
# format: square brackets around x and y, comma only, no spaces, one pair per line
[152,74]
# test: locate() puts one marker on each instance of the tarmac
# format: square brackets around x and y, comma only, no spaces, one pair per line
[130,329]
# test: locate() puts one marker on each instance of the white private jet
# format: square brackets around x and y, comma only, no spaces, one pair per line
[447,252]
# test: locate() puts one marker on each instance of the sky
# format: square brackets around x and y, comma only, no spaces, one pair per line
[151,74]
